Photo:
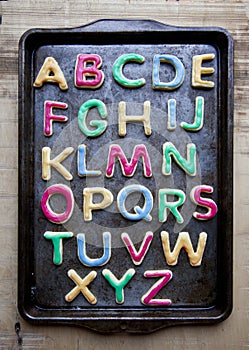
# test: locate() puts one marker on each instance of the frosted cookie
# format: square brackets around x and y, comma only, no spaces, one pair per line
[56,238]
[164,204]
[183,241]
[123,118]
[117,70]
[171,114]
[207,203]
[81,163]
[137,256]
[89,204]
[128,168]
[187,164]
[140,213]
[199,116]
[47,163]
[50,72]
[81,286]
[198,70]
[120,284]
[179,72]
[147,298]
[87,72]
[85,260]
[57,218]
[49,117]
[99,125]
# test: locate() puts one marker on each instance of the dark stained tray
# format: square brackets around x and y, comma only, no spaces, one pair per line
[79,269]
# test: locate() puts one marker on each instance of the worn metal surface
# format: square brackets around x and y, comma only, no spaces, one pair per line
[200,294]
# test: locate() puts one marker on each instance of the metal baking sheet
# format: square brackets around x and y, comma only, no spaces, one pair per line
[93,257]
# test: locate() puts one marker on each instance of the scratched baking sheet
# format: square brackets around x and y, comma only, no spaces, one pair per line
[194,294]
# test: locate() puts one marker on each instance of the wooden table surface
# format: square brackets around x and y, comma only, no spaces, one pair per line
[21,15]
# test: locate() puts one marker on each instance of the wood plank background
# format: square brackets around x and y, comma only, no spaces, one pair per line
[21,15]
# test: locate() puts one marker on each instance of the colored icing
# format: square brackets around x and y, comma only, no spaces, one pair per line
[118,285]
[89,205]
[199,116]
[207,203]
[171,114]
[56,238]
[198,70]
[123,118]
[188,164]
[179,72]
[184,241]
[128,168]
[49,117]
[88,76]
[117,70]
[85,260]
[172,206]
[81,162]
[50,72]
[137,256]
[48,212]
[147,298]
[55,163]
[140,213]
[81,286]
[100,125]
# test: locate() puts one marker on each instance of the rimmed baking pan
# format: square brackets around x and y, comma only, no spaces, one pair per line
[125,175]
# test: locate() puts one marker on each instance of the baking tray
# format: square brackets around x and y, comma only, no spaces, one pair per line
[198,294]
